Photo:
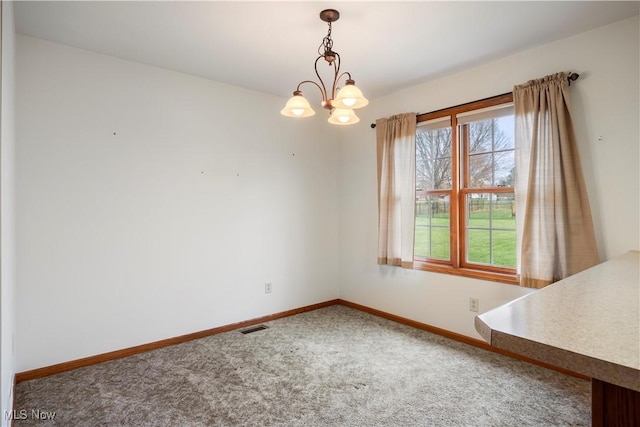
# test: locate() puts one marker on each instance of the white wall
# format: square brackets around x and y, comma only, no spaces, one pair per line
[7,213]
[605,103]
[153,204]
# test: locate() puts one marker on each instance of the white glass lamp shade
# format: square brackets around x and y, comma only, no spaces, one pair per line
[343,116]
[297,106]
[350,97]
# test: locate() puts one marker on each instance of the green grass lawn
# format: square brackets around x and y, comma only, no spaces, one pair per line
[432,239]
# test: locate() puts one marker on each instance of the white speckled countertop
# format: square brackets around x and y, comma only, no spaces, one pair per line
[588,323]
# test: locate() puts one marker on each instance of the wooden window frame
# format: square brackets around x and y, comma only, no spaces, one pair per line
[457,264]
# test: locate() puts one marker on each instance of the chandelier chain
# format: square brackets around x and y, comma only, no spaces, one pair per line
[327,43]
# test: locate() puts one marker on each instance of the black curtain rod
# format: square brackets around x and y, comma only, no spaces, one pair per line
[571,77]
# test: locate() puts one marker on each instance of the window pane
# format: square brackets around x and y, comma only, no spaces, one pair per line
[481,171]
[504,248]
[503,211]
[505,128]
[490,147]
[504,167]
[491,135]
[422,245]
[491,229]
[432,226]
[440,243]
[433,158]
[442,174]
[478,206]
[478,246]
[480,136]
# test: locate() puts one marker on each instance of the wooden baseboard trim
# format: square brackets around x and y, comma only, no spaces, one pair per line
[130,351]
[117,354]
[458,337]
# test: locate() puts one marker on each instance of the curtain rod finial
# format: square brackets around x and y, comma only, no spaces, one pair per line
[572,77]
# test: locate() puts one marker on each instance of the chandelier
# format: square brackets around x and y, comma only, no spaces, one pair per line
[340,105]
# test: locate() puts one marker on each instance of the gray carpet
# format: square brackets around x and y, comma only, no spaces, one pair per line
[330,367]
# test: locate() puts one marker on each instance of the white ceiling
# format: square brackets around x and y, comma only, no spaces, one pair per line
[271,46]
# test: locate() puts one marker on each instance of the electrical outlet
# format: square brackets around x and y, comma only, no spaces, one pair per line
[474,303]
[267,287]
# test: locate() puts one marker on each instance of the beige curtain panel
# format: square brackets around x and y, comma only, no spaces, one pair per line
[555,229]
[396,146]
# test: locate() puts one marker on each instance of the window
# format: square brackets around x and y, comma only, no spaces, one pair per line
[465,205]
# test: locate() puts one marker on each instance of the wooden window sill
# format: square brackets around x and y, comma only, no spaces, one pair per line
[467,272]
